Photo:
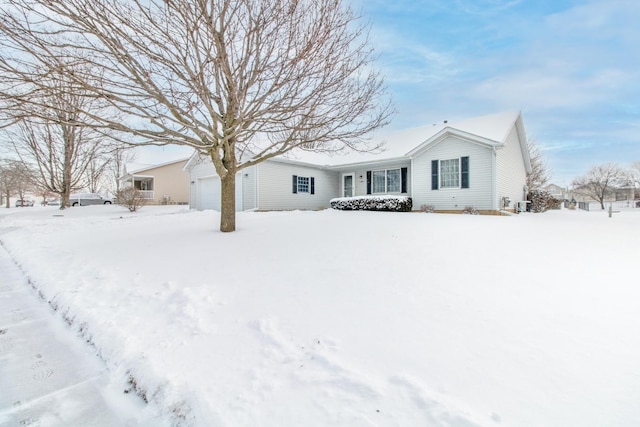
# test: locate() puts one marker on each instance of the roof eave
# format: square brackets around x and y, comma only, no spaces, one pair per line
[449,131]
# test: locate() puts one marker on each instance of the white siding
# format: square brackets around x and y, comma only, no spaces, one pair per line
[360,174]
[480,191]
[204,188]
[208,196]
[275,190]
[249,197]
[201,170]
[510,170]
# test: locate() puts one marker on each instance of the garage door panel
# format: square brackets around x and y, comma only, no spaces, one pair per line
[209,193]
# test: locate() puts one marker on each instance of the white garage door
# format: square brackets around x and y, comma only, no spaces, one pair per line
[209,193]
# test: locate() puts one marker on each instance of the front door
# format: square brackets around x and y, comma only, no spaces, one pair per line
[347,186]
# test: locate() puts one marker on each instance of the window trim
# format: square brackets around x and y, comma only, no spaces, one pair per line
[304,184]
[459,179]
[404,180]
[464,173]
[310,184]
[386,180]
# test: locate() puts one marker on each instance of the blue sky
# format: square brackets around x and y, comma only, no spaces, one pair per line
[571,67]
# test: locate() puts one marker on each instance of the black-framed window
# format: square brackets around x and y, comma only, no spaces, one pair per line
[303,184]
[387,181]
[450,173]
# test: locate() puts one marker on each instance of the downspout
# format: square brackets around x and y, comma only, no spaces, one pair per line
[240,200]
[256,181]
[494,179]
[411,184]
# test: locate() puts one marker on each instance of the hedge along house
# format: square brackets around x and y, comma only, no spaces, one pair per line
[480,162]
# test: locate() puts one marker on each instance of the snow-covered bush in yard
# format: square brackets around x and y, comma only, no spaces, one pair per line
[427,208]
[373,203]
[542,201]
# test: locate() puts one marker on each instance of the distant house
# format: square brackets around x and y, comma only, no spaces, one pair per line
[167,183]
[480,162]
[556,191]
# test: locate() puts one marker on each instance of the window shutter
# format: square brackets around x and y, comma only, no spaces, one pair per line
[464,169]
[403,179]
[312,185]
[368,182]
[295,184]
[434,174]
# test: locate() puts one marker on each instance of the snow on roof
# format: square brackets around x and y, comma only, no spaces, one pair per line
[398,144]
[139,167]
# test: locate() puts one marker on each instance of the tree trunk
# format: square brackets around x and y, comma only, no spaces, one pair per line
[228,202]
[65,200]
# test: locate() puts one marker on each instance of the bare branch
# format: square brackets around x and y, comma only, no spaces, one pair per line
[238,80]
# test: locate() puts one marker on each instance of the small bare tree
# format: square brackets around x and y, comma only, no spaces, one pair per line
[540,175]
[240,81]
[600,182]
[635,177]
[95,173]
[131,198]
[15,179]
[121,155]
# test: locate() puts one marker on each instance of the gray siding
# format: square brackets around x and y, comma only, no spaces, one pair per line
[274,185]
[479,193]
[510,170]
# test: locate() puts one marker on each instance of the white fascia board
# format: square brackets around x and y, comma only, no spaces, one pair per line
[370,164]
[448,131]
[524,146]
[295,162]
[193,159]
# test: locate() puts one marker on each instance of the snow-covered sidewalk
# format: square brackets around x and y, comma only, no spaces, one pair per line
[49,377]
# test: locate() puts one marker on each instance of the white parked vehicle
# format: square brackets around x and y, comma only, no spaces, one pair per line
[23,203]
[85,199]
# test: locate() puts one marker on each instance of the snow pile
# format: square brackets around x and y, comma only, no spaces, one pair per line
[351,318]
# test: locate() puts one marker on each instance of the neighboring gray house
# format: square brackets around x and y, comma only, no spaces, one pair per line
[480,162]
[556,191]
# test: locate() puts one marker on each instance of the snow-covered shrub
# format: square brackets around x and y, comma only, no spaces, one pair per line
[427,208]
[470,210]
[373,203]
[542,201]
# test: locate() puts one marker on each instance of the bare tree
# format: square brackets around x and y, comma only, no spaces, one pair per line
[7,180]
[55,134]
[240,81]
[540,175]
[600,182]
[121,155]
[95,172]
[15,179]
[635,176]
[131,198]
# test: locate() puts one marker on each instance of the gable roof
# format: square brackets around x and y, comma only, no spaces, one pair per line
[490,130]
[133,168]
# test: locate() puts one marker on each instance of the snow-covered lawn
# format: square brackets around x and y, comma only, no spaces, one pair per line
[351,318]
